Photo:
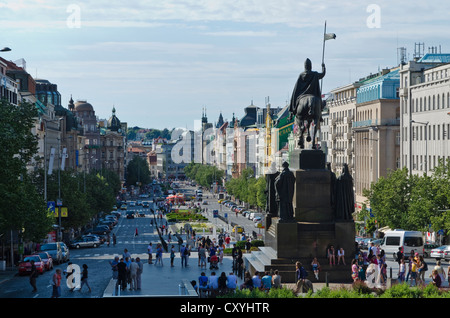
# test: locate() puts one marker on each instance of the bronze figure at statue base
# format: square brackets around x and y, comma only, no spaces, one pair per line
[314,227]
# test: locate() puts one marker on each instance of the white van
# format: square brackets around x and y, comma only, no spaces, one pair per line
[406,240]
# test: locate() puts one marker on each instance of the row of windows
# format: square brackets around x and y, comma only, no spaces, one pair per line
[420,162]
[436,102]
[434,132]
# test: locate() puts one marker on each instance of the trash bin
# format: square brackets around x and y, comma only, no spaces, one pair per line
[2,265]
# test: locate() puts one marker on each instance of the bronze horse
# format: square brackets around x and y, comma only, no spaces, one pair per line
[306,102]
[308,109]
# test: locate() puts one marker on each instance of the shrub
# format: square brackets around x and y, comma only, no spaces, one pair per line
[257,293]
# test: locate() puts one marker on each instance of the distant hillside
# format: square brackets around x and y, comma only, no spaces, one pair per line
[147,134]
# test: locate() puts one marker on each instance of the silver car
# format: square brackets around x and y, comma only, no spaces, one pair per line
[85,241]
[441,252]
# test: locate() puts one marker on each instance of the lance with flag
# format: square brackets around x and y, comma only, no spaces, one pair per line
[326,37]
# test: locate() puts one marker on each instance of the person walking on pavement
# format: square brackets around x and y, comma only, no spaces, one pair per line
[150,251]
[183,252]
[56,283]
[114,263]
[159,252]
[172,255]
[133,274]
[33,276]
[139,273]
[84,278]
[122,274]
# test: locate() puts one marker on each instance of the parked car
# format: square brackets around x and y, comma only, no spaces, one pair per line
[441,252]
[25,265]
[85,241]
[100,230]
[108,223]
[55,251]
[364,243]
[257,219]
[46,258]
[101,238]
[65,252]
[427,249]
[117,214]
[111,217]
[407,241]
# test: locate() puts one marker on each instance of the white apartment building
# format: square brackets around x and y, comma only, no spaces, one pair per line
[425,112]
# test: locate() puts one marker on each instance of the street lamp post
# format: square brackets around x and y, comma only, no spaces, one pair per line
[426,141]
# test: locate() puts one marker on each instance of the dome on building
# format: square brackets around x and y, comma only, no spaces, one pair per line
[83,105]
[114,122]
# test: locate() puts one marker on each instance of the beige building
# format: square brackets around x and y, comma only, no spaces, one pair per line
[363,129]
[340,145]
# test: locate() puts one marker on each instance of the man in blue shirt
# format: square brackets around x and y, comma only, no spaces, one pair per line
[266,281]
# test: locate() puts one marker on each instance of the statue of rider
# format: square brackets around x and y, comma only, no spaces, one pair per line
[307,84]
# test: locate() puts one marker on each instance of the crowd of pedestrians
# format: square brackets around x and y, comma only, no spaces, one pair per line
[411,268]
[127,271]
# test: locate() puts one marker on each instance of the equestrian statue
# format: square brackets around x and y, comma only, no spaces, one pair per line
[306,103]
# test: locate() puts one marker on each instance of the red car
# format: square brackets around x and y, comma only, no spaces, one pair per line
[25,265]
[46,258]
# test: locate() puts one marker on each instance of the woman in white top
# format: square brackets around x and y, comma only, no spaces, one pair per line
[341,254]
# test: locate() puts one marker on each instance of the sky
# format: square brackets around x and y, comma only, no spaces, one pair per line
[160,63]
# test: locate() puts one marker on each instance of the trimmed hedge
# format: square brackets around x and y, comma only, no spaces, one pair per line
[185,217]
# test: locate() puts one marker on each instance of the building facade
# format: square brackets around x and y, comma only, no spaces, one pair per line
[425,109]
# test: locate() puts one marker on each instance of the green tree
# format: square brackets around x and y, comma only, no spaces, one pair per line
[390,199]
[204,175]
[137,172]
[412,202]
[20,200]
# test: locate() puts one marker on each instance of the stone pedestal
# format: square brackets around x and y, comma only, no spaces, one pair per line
[315,227]
[307,159]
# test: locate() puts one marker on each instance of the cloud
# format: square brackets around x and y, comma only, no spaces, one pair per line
[243,33]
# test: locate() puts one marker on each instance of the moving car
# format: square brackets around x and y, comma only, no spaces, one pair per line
[25,265]
[130,215]
[85,241]
[441,252]
[46,258]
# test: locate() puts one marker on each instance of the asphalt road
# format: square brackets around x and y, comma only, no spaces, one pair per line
[97,260]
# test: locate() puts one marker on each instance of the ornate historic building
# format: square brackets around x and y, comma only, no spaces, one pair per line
[113,141]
